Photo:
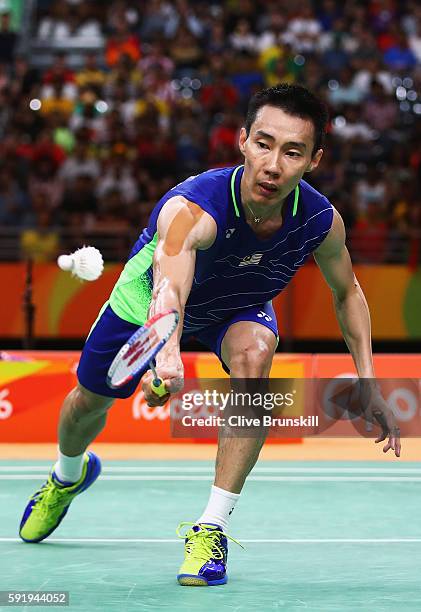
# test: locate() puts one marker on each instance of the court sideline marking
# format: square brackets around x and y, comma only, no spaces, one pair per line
[210,477]
[247,541]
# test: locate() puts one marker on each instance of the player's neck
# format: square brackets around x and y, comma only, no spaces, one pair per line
[257,213]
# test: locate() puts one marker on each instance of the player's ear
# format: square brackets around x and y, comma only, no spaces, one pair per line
[315,160]
[242,140]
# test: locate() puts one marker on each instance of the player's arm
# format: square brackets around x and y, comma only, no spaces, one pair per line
[351,307]
[353,316]
[183,228]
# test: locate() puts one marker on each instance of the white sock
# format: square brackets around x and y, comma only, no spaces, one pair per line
[220,505]
[69,469]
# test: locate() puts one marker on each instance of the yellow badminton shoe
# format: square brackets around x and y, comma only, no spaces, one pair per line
[49,505]
[206,552]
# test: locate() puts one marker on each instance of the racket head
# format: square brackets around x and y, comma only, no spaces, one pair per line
[135,355]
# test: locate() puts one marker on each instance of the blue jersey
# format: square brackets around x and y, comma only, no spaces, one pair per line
[240,269]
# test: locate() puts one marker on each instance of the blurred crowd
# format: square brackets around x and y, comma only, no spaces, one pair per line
[162,95]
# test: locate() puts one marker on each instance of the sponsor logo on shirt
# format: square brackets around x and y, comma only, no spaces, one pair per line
[229,232]
[251,260]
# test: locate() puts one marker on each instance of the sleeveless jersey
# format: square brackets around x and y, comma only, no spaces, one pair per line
[240,269]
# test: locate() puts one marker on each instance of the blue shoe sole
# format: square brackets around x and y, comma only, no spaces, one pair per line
[92,473]
[199,581]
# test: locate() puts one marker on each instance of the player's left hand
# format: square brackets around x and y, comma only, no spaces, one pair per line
[376,407]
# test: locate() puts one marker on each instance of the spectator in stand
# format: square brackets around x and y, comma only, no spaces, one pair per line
[45,146]
[14,203]
[5,111]
[91,76]
[112,221]
[80,163]
[25,78]
[382,14]
[87,116]
[344,91]
[8,39]
[333,46]
[303,31]
[219,94]
[59,71]
[242,38]
[272,26]
[55,26]
[62,134]
[79,205]
[124,74]
[223,141]
[41,241]
[43,182]
[380,109]
[122,42]
[156,150]
[328,14]
[361,45]
[217,42]
[87,28]
[58,98]
[400,57]
[185,50]
[190,137]
[371,70]
[350,127]
[4,77]
[371,189]
[112,214]
[154,55]
[279,71]
[415,40]
[156,18]
[117,176]
[369,238]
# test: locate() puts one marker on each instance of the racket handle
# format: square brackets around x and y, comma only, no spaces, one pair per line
[158,387]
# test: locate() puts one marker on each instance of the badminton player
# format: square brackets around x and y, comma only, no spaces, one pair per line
[218,247]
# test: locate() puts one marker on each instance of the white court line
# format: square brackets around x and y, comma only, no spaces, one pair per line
[246,541]
[210,470]
[184,478]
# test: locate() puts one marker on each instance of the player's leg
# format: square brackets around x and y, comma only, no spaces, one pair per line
[247,349]
[245,346]
[82,417]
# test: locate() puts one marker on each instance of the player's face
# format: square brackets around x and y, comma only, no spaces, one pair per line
[277,152]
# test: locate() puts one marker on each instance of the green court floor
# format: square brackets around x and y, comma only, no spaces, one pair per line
[318,536]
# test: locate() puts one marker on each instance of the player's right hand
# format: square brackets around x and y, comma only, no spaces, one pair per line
[173,377]
[375,407]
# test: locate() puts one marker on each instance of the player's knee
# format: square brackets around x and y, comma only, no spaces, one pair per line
[85,402]
[252,361]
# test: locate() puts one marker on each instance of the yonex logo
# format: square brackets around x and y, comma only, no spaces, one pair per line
[262,315]
[229,232]
[251,260]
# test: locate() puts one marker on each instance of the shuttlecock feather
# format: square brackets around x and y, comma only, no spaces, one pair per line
[85,263]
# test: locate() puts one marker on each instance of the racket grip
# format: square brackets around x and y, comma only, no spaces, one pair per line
[158,387]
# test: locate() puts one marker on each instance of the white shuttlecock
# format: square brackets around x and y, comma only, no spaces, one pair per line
[85,263]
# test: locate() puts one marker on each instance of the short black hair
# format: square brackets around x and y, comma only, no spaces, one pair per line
[294,100]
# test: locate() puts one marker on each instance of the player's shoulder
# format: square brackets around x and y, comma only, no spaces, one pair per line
[311,196]
[209,190]
[209,183]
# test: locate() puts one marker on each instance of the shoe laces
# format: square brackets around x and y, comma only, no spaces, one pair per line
[205,543]
[48,498]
